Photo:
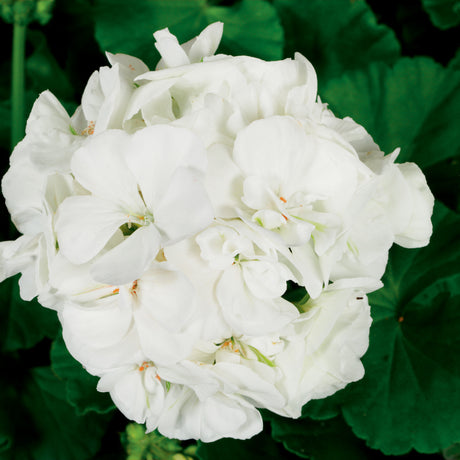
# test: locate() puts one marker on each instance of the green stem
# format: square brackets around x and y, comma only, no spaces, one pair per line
[17,84]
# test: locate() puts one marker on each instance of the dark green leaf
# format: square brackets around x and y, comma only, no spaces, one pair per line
[261,446]
[251,27]
[80,385]
[49,428]
[443,13]
[409,395]
[415,105]
[320,440]
[335,35]
[44,71]
[444,180]
[23,324]
[8,394]
[454,64]
[452,452]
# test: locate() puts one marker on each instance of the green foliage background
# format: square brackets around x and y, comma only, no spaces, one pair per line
[395,68]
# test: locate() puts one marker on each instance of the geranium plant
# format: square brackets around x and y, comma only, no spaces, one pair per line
[208,233]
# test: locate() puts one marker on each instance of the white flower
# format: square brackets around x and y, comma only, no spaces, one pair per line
[323,353]
[166,219]
[137,390]
[149,183]
[218,416]
[251,282]
[231,378]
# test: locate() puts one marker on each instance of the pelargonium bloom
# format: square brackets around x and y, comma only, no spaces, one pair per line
[167,220]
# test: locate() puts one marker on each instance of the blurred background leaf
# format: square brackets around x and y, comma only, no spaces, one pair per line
[414,105]
[443,13]
[336,35]
[80,385]
[23,324]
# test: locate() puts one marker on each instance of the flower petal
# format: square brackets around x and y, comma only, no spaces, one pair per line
[172,54]
[216,417]
[246,313]
[128,261]
[156,152]
[84,224]
[100,166]
[185,208]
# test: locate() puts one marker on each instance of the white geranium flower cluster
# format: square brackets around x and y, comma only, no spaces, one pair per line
[165,219]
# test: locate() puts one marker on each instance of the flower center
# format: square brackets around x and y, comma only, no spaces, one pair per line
[135,221]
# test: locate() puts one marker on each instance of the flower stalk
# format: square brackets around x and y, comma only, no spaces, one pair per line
[20,13]
[18,83]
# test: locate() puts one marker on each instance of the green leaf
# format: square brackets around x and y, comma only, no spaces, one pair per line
[452,452]
[415,105]
[407,398]
[335,35]
[443,178]
[443,13]
[49,427]
[251,26]
[9,394]
[80,385]
[320,440]
[23,324]
[43,71]
[261,446]
[454,63]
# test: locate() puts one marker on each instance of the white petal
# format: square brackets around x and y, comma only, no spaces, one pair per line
[250,384]
[160,344]
[276,149]
[128,393]
[300,99]
[171,52]
[130,259]
[25,204]
[257,193]
[100,166]
[206,43]
[185,208]
[156,152]
[306,268]
[84,225]
[117,91]
[216,417]
[265,279]
[246,313]
[168,296]
[419,228]
[92,98]
[130,65]
[223,181]
[270,219]
[185,256]
[99,360]
[102,325]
